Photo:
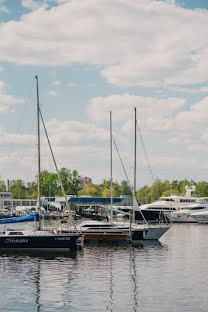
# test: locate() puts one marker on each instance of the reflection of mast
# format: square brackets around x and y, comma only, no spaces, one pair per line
[133,275]
[37,283]
[110,305]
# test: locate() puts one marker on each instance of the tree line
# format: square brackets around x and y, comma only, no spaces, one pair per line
[50,186]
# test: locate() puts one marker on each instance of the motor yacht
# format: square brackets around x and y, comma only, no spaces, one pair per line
[163,207]
[200,216]
[185,215]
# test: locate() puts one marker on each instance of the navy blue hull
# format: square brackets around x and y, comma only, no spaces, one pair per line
[39,242]
[150,215]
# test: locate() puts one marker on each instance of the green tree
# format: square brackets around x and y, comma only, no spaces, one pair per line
[91,189]
[49,184]
[65,175]
[202,189]
[2,186]
[107,192]
[169,192]
[17,187]
[125,189]
[74,183]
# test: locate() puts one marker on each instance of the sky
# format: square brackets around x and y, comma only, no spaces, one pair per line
[97,56]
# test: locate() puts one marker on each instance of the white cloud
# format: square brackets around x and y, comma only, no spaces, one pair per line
[122,107]
[56,83]
[3,8]
[64,132]
[136,42]
[72,84]
[33,5]
[52,93]
[190,90]
[6,100]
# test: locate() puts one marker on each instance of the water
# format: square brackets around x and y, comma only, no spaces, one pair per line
[167,276]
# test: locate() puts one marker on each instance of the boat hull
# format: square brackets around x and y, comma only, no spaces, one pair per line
[151,215]
[39,242]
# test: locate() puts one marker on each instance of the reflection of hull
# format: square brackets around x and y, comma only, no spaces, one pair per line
[38,242]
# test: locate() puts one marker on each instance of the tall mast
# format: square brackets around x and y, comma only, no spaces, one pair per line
[135,150]
[111,167]
[38,133]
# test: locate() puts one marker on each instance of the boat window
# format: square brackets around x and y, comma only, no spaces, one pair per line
[15,233]
[195,208]
[97,225]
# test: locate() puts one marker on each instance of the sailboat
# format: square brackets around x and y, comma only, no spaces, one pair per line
[114,230]
[38,239]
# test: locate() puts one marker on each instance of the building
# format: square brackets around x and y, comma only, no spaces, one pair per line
[80,204]
[7,201]
[84,181]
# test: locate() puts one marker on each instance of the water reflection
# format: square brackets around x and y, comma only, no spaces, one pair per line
[134,277]
[37,283]
[147,277]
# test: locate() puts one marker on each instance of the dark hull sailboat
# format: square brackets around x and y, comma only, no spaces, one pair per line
[38,239]
[35,240]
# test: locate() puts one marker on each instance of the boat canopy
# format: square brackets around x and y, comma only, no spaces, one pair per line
[30,218]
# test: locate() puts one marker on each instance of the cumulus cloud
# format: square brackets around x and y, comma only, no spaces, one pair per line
[6,100]
[56,83]
[72,84]
[52,93]
[191,90]
[136,42]
[33,5]
[122,107]
[3,7]
[76,132]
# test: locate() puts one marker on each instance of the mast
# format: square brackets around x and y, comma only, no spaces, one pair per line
[135,150]
[71,219]
[38,133]
[111,167]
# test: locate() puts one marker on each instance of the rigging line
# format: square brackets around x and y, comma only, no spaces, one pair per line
[132,189]
[148,161]
[62,188]
[122,165]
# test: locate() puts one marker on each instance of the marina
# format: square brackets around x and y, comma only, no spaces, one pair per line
[103,169]
[104,277]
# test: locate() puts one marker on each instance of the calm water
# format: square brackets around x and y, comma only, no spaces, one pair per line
[170,276]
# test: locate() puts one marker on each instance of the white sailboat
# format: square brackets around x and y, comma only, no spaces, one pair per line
[97,230]
[38,239]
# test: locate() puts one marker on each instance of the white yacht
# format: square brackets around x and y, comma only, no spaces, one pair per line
[168,204]
[107,231]
[200,216]
[185,215]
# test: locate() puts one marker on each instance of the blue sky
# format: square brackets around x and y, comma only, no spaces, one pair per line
[93,56]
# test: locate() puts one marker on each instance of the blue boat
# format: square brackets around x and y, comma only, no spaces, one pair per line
[29,218]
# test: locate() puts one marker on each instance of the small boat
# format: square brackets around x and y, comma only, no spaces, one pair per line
[201,216]
[38,239]
[185,215]
[114,230]
[103,231]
